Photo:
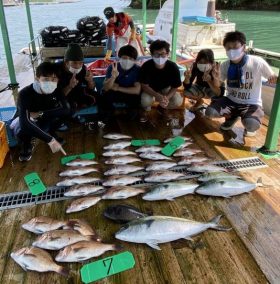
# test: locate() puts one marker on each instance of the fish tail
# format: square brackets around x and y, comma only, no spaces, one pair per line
[117,247]
[215,224]
[63,271]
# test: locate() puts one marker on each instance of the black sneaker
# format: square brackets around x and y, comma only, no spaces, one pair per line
[229,123]
[25,154]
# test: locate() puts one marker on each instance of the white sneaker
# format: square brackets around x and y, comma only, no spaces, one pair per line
[249,133]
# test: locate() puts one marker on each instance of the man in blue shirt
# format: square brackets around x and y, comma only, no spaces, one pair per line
[121,84]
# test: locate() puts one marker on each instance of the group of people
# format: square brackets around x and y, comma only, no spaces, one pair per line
[234,88]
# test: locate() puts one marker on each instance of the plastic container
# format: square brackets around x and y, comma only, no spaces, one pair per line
[99,67]
[199,19]
[4,147]
[6,115]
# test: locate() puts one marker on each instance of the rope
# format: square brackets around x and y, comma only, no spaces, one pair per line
[10,87]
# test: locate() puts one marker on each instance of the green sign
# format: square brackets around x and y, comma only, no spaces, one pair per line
[150,142]
[172,146]
[34,183]
[107,266]
[86,156]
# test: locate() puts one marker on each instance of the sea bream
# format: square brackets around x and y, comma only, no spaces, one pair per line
[169,191]
[84,250]
[31,258]
[120,180]
[185,161]
[42,224]
[82,203]
[122,170]
[77,180]
[163,176]
[205,167]
[81,163]
[115,153]
[123,213]
[226,187]
[217,175]
[186,152]
[171,138]
[122,160]
[78,171]
[145,149]
[58,239]
[153,156]
[159,166]
[118,145]
[154,230]
[116,136]
[82,190]
[122,192]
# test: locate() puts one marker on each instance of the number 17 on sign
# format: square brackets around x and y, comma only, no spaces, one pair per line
[106,267]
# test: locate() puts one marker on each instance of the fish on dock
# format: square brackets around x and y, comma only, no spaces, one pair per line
[82,203]
[82,190]
[120,153]
[81,163]
[217,175]
[205,167]
[185,161]
[154,230]
[162,176]
[122,170]
[36,259]
[77,180]
[186,152]
[118,145]
[78,171]
[122,160]
[159,166]
[119,180]
[145,149]
[84,250]
[171,138]
[153,156]
[116,136]
[122,192]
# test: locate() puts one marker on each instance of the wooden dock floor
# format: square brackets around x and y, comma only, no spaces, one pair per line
[247,254]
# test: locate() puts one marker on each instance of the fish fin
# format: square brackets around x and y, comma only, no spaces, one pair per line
[226,196]
[189,239]
[170,199]
[78,249]
[81,258]
[154,246]
[215,224]
[259,182]
[30,255]
[63,271]
[118,247]
[52,238]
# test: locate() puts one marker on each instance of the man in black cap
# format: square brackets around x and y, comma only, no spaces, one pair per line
[121,25]
[76,81]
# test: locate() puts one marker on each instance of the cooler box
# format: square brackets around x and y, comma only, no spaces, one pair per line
[4,147]
[199,19]
[99,67]
[6,115]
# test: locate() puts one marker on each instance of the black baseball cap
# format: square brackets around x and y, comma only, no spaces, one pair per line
[109,12]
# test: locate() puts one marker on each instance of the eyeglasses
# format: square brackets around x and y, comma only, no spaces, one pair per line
[158,55]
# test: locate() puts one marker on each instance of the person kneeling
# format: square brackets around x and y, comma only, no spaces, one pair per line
[121,84]
[41,106]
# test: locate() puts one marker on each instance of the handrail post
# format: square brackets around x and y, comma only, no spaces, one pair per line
[7,45]
[144,16]
[29,19]
[175,29]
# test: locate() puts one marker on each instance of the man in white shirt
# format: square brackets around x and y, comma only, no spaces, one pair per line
[243,74]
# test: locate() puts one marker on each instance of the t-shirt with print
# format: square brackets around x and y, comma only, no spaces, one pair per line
[250,92]
[126,78]
[159,79]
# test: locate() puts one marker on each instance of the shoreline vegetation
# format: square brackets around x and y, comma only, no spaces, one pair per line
[265,5]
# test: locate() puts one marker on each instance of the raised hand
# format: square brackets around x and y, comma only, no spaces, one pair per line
[73,82]
[115,72]
[216,71]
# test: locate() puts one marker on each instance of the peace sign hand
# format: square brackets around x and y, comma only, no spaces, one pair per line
[216,70]
[206,76]
[115,72]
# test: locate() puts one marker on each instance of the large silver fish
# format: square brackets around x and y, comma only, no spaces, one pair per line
[145,149]
[186,152]
[82,203]
[217,175]
[42,224]
[155,230]
[73,172]
[82,190]
[118,145]
[58,239]
[122,170]
[81,163]
[30,258]
[205,167]
[171,138]
[185,161]
[184,145]
[122,192]
[154,156]
[226,188]
[122,160]
[116,136]
[77,180]
[84,250]
[159,166]
[169,191]
[163,176]
[120,180]
[120,153]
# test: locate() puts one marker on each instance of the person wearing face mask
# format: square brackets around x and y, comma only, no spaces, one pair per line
[121,84]
[160,79]
[41,107]
[75,80]
[203,80]
[243,74]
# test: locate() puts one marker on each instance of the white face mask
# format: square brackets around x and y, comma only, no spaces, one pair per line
[204,67]
[75,70]
[160,60]
[48,87]
[126,64]
[235,54]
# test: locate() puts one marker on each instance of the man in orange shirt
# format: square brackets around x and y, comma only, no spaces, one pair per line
[121,25]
